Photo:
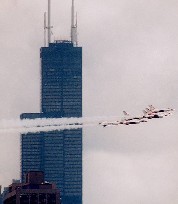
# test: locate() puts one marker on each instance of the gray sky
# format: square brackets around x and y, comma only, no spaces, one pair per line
[130,51]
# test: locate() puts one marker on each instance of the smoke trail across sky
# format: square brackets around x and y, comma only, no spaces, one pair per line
[34,129]
[50,124]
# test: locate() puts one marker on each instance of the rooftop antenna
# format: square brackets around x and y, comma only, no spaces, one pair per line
[49,22]
[76,30]
[72,14]
[45,27]
[73,26]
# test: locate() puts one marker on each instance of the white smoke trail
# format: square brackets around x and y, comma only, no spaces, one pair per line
[50,124]
[43,129]
[65,121]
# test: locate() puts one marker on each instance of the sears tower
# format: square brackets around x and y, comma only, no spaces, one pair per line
[58,153]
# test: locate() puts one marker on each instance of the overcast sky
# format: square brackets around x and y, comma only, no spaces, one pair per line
[130,60]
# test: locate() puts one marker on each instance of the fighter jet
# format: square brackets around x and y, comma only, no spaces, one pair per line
[154,110]
[139,118]
[129,122]
[122,122]
[149,114]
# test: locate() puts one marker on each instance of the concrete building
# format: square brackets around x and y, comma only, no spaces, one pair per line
[34,191]
[59,153]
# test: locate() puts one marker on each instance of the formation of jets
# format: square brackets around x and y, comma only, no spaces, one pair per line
[149,113]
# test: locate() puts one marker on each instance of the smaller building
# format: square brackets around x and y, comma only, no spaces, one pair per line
[34,191]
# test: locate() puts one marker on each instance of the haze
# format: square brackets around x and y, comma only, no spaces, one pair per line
[130,51]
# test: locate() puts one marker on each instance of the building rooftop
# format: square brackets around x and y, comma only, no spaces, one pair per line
[34,188]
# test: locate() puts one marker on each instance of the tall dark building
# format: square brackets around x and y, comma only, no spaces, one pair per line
[62,79]
[58,153]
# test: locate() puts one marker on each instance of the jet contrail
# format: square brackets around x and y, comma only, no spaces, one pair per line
[43,129]
[50,124]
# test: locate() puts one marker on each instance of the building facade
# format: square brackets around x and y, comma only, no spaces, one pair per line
[62,79]
[58,153]
[34,191]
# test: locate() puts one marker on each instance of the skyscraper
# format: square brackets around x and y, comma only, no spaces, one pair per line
[59,153]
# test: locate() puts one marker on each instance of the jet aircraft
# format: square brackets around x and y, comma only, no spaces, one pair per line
[159,113]
[148,113]
[129,122]
[154,110]
[139,118]
[124,121]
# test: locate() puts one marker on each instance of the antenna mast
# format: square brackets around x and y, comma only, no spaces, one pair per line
[45,27]
[73,26]
[49,22]
[72,14]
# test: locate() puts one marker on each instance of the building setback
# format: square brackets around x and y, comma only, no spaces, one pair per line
[33,191]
